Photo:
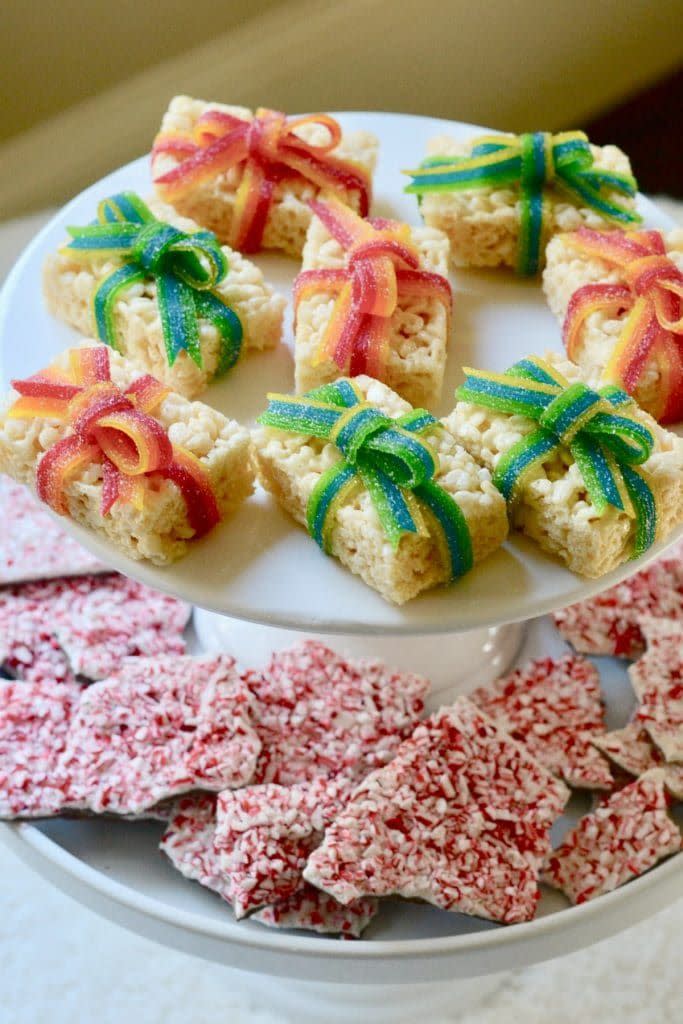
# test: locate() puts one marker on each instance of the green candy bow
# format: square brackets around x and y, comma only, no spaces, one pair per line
[185,267]
[386,456]
[605,444]
[532,161]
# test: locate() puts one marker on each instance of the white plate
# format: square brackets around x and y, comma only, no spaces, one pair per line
[115,869]
[261,567]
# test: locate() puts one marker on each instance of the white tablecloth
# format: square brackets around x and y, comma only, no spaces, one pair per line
[63,965]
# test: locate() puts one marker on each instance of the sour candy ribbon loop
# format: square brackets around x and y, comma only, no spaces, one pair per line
[605,439]
[387,456]
[382,266]
[652,294]
[267,149]
[185,267]
[112,428]
[533,162]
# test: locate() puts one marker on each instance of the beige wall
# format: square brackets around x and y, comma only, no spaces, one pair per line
[516,64]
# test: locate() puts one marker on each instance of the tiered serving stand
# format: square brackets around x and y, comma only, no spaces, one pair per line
[258,584]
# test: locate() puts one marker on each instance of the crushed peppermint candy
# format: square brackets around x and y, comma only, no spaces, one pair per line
[34,720]
[33,546]
[265,834]
[610,623]
[189,844]
[158,728]
[632,750]
[460,818]
[318,713]
[657,679]
[621,839]
[553,707]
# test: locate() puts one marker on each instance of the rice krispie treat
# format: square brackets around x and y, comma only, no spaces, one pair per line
[249,176]
[460,818]
[380,486]
[122,455]
[589,476]
[162,293]
[499,198]
[619,295]
[372,297]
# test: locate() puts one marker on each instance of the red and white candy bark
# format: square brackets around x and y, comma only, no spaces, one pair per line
[623,838]
[632,750]
[318,714]
[460,818]
[159,728]
[33,546]
[610,622]
[34,720]
[553,707]
[657,679]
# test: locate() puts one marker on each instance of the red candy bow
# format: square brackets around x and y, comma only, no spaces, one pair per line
[269,150]
[381,266]
[112,428]
[653,296]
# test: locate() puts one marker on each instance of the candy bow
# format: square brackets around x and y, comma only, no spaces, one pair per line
[382,265]
[386,456]
[185,267]
[112,428]
[653,296]
[269,150]
[533,162]
[604,443]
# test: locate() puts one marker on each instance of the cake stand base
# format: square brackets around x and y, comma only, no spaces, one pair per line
[454,662]
[302,1002]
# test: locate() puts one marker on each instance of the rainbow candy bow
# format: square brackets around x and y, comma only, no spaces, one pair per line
[381,266]
[533,162]
[113,428]
[386,456]
[605,444]
[652,294]
[185,267]
[268,150]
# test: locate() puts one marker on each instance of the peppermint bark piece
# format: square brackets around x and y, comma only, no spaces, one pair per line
[189,844]
[622,839]
[405,345]
[34,720]
[657,678]
[320,714]
[459,818]
[158,728]
[610,622]
[32,545]
[551,504]
[199,458]
[484,225]
[71,283]
[632,750]
[266,833]
[554,708]
[214,201]
[291,464]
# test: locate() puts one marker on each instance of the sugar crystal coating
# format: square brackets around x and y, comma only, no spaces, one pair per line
[624,837]
[554,708]
[459,818]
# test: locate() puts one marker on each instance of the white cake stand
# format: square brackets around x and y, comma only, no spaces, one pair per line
[261,583]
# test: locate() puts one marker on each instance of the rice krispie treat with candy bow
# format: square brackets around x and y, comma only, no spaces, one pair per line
[381,486]
[620,298]
[250,176]
[587,474]
[373,297]
[119,453]
[161,292]
[499,198]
